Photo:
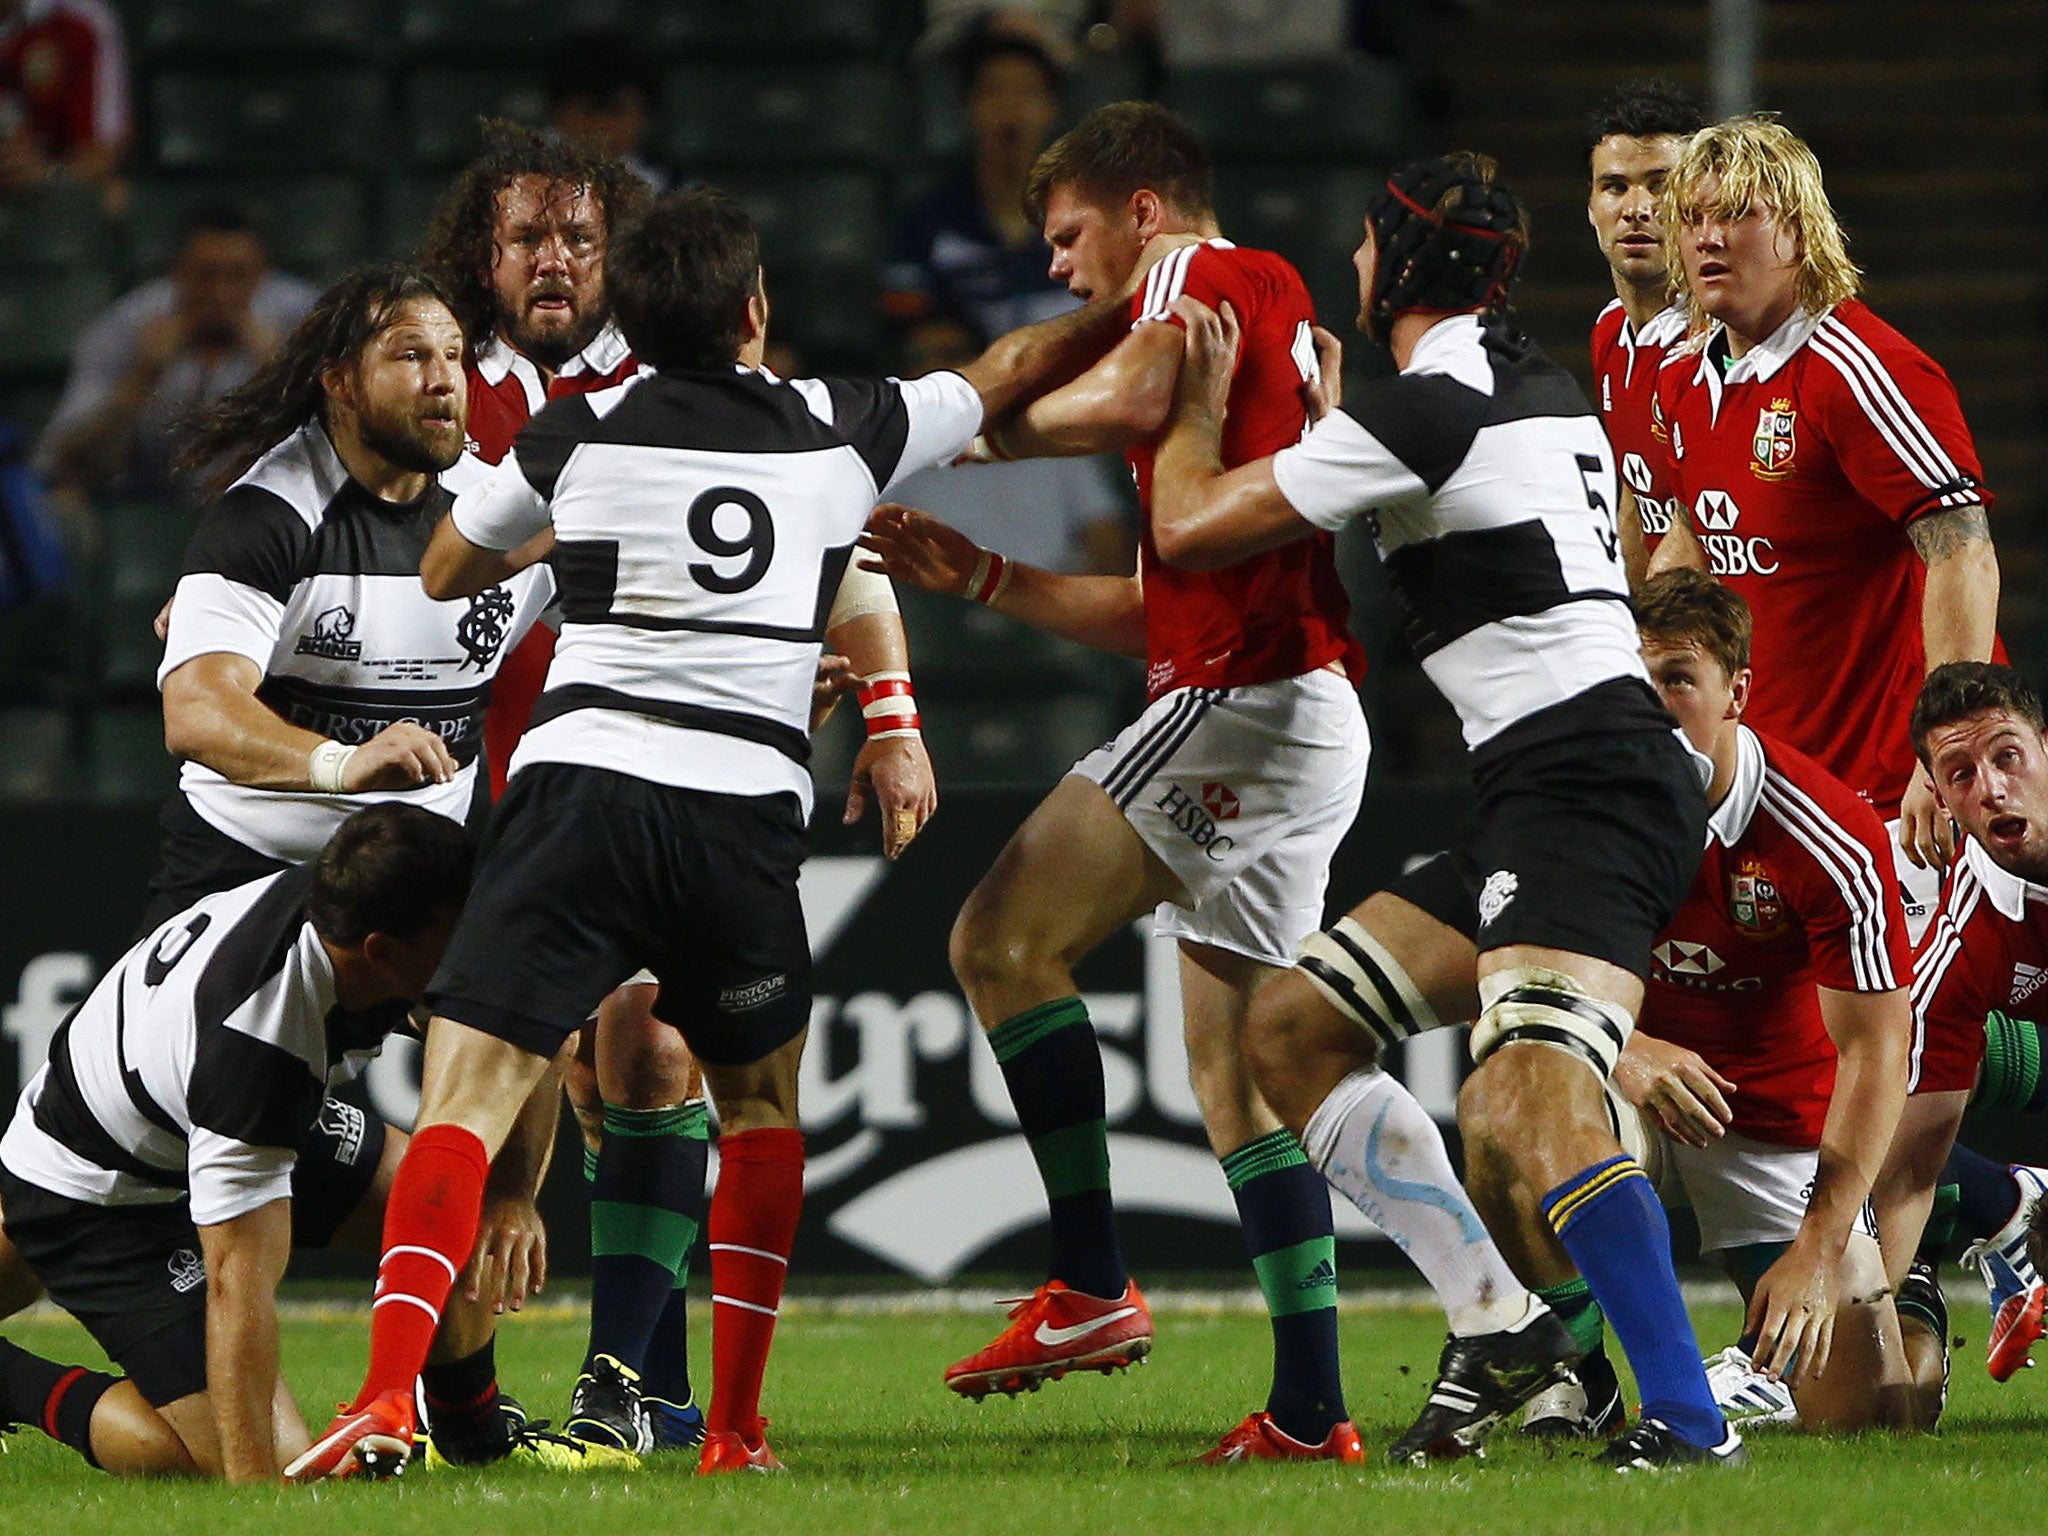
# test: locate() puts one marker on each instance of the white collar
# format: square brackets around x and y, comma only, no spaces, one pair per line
[498,357]
[1731,818]
[1762,361]
[1451,346]
[1668,325]
[2008,892]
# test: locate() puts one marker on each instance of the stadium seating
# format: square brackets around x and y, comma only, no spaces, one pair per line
[993,742]
[60,227]
[256,118]
[452,30]
[716,117]
[265,29]
[126,757]
[1347,109]
[314,226]
[142,553]
[36,754]
[443,106]
[41,314]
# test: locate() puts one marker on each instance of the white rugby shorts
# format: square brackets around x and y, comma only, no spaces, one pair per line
[1244,793]
[1740,1190]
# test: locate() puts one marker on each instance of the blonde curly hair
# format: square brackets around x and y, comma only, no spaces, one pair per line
[1761,162]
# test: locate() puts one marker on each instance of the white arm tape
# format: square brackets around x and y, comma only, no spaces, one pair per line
[860,594]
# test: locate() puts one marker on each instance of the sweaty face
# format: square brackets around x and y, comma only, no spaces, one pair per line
[1991,771]
[547,267]
[1743,269]
[1094,249]
[409,392]
[1695,688]
[1628,173]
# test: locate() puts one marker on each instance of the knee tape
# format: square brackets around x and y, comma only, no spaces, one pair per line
[1360,975]
[1545,1007]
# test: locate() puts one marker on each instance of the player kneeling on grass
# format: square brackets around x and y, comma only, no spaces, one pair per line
[148,1174]
[1769,1064]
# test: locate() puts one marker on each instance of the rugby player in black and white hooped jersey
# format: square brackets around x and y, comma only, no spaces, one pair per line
[1490,490]
[306,675]
[149,1168]
[657,805]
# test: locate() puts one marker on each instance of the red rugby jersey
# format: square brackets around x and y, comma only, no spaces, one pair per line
[1988,948]
[1794,892]
[1625,364]
[64,66]
[505,390]
[1277,614]
[1801,467]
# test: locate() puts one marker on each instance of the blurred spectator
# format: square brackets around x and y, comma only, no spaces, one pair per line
[1055,26]
[1065,515]
[1207,32]
[174,344]
[64,108]
[32,557]
[968,247]
[603,92]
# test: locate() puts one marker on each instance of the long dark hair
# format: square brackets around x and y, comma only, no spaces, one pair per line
[458,246]
[223,440]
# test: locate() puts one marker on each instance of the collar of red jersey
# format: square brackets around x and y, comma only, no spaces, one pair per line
[2008,892]
[1730,819]
[497,357]
[1763,360]
[1666,328]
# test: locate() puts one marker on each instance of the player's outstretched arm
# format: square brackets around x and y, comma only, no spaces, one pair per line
[495,530]
[1680,548]
[1793,1307]
[892,766]
[1121,401]
[245,1262]
[1204,516]
[454,567]
[1104,612]
[212,716]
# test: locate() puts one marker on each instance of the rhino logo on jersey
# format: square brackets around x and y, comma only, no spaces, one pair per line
[330,637]
[481,631]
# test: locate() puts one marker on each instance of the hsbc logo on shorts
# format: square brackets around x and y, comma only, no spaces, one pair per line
[1714,514]
[1220,801]
[1196,819]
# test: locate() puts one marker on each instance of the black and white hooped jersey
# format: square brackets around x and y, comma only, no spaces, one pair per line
[198,1063]
[702,524]
[1490,490]
[317,581]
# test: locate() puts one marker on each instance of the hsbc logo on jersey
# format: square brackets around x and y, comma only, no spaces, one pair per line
[1714,514]
[1683,959]
[1635,474]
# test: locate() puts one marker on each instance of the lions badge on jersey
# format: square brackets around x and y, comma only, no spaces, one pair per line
[1774,444]
[1753,900]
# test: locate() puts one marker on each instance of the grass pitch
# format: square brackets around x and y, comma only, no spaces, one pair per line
[874,1443]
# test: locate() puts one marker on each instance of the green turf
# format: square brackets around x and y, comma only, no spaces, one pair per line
[875,1444]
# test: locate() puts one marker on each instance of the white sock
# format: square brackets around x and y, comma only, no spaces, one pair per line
[1379,1148]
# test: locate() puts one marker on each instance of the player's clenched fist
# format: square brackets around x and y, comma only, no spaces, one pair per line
[401,756]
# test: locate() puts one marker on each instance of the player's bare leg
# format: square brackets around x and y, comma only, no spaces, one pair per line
[1399,970]
[751,1229]
[1534,1114]
[644,1120]
[1073,874]
[19,1287]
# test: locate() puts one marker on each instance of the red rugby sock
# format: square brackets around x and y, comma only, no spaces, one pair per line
[430,1225]
[753,1224]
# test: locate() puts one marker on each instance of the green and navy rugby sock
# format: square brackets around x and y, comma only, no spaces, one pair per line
[1572,1301]
[646,1206]
[1283,1205]
[1054,1071]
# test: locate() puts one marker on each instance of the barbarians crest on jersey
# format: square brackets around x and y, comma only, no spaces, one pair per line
[1495,895]
[481,631]
[330,637]
[1753,900]
[1774,444]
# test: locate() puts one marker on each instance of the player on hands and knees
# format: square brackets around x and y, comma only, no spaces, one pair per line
[1218,809]
[1491,489]
[1632,141]
[1977,727]
[657,802]
[152,1174]
[1769,1065]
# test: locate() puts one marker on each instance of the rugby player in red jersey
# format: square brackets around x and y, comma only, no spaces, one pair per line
[1824,463]
[1977,727]
[519,241]
[1219,808]
[1769,1063]
[1632,141]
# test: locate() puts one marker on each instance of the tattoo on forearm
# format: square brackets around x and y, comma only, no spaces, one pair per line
[1939,535]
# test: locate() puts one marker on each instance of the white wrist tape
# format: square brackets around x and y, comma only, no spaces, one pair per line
[324,766]
[860,594]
